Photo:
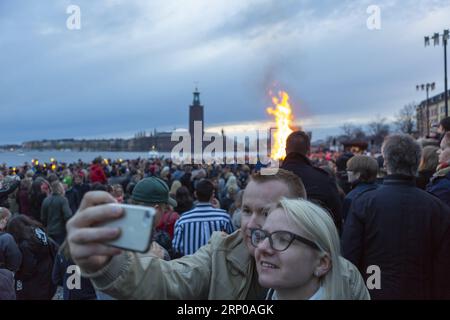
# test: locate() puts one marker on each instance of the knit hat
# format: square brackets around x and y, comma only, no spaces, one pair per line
[151,191]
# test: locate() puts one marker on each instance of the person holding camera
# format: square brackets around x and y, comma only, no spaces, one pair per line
[223,269]
[300,233]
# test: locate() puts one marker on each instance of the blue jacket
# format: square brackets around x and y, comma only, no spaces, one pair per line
[440,187]
[360,188]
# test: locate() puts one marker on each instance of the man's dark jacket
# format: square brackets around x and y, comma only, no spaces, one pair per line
[358,189]
[404,231]
[320,187]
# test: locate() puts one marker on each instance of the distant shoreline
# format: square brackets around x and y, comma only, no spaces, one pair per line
[19,157]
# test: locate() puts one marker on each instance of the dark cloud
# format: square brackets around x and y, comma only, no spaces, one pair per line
[133,64]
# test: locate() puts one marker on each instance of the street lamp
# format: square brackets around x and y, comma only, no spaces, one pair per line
[427,87]
[436,41]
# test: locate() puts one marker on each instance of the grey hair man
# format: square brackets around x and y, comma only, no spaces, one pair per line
[401,230]
[401,155]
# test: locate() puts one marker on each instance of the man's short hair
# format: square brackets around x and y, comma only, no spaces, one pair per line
[366,166]
[401,154]
[291,180]
[204,190]
[298,142]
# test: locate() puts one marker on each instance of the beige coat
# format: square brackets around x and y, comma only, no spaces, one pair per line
[222,269]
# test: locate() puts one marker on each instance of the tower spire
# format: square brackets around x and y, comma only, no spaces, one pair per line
[196,119]
[196,101]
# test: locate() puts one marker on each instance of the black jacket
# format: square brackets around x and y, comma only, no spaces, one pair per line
[320,187]
[358,189]
[34,278]
[424,178]
[78,190]
[36,204]
[406,233]
[74,199]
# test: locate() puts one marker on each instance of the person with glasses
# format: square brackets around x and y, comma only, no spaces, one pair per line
[223,269]
[298,255]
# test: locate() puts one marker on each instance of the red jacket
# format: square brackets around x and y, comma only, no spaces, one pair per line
[97,174]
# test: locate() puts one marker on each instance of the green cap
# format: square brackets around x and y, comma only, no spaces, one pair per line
[151,191]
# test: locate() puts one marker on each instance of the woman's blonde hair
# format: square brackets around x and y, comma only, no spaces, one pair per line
[57,187]
[319,228]
[430,159]
[174,188]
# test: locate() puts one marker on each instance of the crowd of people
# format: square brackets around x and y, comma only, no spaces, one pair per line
[312,230]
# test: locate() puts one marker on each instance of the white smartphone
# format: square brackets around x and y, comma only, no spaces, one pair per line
[136,227]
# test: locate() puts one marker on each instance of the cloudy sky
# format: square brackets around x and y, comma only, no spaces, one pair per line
[133,64]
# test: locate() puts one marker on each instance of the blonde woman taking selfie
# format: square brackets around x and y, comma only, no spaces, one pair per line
[298,256]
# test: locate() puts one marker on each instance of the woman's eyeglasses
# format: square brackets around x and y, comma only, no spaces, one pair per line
[279,240]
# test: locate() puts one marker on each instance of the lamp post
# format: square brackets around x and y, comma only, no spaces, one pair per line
[427,87]
[436,41]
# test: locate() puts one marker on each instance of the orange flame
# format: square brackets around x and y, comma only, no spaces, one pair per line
[283,118]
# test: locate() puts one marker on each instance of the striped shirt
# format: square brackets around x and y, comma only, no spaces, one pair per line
[195,227]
